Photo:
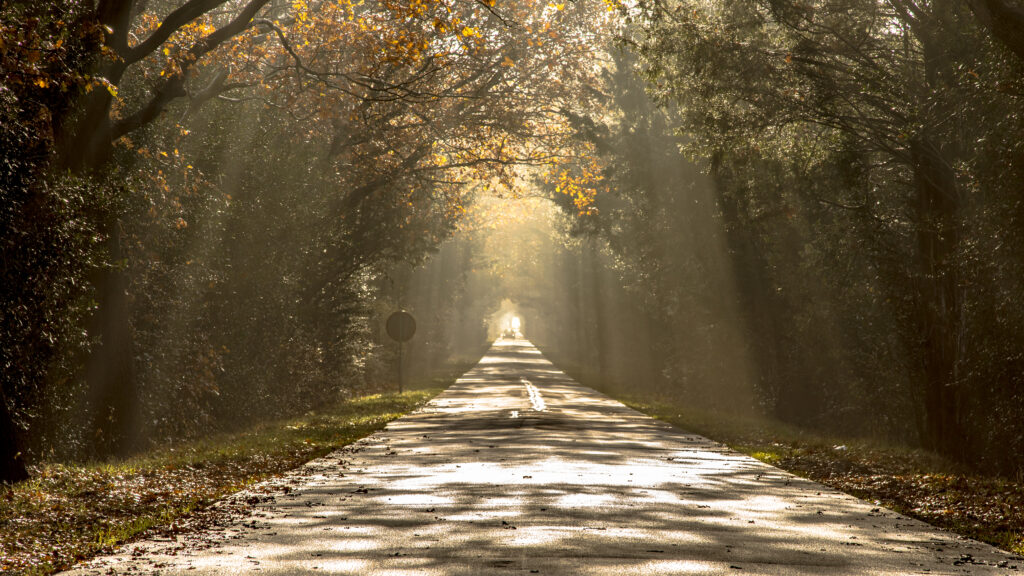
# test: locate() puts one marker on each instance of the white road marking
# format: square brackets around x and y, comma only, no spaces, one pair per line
[599,490]
[536,400]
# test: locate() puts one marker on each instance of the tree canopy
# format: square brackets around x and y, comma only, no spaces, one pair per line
[807,208]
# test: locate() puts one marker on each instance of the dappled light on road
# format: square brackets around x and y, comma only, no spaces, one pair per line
[575,484]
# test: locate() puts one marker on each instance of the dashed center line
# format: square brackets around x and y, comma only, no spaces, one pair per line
[536,400]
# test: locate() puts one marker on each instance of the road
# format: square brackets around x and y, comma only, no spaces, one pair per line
[516,469]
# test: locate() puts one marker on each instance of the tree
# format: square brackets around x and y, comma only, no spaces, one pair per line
[363,123]
[45,245]
[783,93]
[1004,20]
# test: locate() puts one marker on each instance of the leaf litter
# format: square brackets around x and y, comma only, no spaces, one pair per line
[68,513]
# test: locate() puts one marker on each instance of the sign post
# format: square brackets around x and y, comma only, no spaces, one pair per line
[400,326]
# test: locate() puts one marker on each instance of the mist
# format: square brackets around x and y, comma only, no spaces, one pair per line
[210,231]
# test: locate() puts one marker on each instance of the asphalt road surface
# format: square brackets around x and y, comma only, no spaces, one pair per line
[516,469]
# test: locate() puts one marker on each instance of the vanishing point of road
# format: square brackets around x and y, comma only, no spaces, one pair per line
[517,469]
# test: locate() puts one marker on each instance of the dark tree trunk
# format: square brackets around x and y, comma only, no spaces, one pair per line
[84,141]
[110,373]
[599,310]
[12,467]
[938,299]
[84,146]
[1003,20]
[757,305]
[579,347]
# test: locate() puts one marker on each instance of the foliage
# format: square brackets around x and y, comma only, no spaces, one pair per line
[49,241]
[248,175]
[843,279]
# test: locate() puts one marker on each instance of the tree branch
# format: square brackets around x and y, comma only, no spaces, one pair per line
[174,86]
[171,24]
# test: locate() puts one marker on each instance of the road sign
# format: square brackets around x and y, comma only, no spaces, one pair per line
[401,326]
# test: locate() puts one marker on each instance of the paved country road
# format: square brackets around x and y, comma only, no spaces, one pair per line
[516,469]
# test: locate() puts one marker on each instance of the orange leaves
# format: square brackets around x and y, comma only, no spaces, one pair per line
[580,181]
[98,82]
[175,55]
[145,24]
[377,80]
[411,9]
[173,183]
[41,58]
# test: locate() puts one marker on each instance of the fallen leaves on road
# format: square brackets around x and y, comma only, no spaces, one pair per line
[912,482]
[987,508]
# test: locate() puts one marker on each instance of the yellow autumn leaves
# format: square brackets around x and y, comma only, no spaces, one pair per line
[580,181]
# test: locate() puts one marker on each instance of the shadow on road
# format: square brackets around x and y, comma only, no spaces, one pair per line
[480,482]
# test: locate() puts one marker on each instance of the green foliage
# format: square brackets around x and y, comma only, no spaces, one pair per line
[860,156]
[49,237]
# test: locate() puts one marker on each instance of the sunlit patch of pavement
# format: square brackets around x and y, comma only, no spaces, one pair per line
[575,483]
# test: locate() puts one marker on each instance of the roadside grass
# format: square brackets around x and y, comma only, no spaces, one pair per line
[913,482]
[67,513]
[444,376]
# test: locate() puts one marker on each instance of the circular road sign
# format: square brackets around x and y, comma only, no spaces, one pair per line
[401,326]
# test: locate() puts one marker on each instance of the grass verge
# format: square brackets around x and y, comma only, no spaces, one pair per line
[913,482]
[67,513]
[445,375]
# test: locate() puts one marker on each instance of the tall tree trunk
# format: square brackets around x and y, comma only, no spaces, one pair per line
[83,141]
[110,371]
[938,300]
[1003,20]
[12,466]
[599,309]
[84,146]
[757,305]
